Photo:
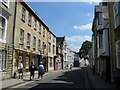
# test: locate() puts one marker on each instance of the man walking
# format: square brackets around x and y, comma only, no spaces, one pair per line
[21,70]
[32,70]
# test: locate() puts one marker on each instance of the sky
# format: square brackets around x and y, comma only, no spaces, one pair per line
[70,19]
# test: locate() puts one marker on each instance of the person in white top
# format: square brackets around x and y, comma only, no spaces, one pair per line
[21,68]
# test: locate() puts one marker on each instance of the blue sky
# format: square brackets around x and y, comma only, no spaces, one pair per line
[70,19]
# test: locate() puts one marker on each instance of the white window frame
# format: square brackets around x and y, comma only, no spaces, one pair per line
[29,19]
[27,62]
[21,40]
[35,24]
[5,29]
[19,61]
[34,42]
[28,39]
[2,60]
[118,54]
[5,3]
[116,14]
[23,14]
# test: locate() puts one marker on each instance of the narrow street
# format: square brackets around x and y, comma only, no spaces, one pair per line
[74,78]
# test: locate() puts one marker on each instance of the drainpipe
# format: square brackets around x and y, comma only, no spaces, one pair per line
[15,10]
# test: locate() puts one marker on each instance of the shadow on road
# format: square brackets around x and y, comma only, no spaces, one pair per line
[69,79]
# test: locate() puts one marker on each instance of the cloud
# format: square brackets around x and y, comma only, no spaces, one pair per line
[75,42]
[83,27]
[88,14]
[74,47]
[78,39]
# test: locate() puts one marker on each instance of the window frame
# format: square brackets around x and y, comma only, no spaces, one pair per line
[117,54]
[23,14]
[19,60]
[34,42]
[3,60]
[29,19]
[28,39]
[39,44]
[3,39]
[40,28]
[35,24]
[21,39]
[27,62]
[116,14]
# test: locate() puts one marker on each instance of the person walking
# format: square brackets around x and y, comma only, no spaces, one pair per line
[32,71]
[41,70]
[21,68]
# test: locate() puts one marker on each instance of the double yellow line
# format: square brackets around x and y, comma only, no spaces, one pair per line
[21,84]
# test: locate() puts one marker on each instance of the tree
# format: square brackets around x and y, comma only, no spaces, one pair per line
[83,51]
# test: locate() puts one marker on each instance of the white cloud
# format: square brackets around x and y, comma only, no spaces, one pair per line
[78,38]
[83,27]
[88,14]
[74,47]
[76,41]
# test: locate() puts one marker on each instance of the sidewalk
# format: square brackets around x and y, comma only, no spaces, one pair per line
[10,82]
[96,81]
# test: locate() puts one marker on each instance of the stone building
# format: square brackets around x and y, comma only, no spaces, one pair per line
[7,13]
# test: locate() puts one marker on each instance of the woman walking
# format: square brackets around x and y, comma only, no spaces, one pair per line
[41,70]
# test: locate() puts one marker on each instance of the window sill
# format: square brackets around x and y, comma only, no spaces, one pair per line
[23,20]
[29,25]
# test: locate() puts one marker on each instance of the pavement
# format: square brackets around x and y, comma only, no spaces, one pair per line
[93,80]
[97,82]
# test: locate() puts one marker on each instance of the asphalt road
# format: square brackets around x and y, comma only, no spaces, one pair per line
[74,78]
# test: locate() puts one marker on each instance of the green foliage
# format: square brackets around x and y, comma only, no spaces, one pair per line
[83,52]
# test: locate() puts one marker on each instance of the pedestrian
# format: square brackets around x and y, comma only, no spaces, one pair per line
[41,70]
[21,68]
[70,66]
[32,71]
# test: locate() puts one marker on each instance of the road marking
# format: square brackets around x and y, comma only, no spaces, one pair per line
[22,84]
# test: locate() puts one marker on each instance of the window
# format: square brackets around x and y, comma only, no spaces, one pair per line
[21,36]
[43,46]
[29,19]
[35,24]
[118,54]
[53,49]
[49,47]
[50,62]
[39,44]
[28,40]
[99,18]
[23,14]
[116,14]
[43,32]
[2,60]
[53,39]
[34,42]
[6,2]
[100,41]
[2,28]
[49,35]
[19,61]
[40,28]
[27,62]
